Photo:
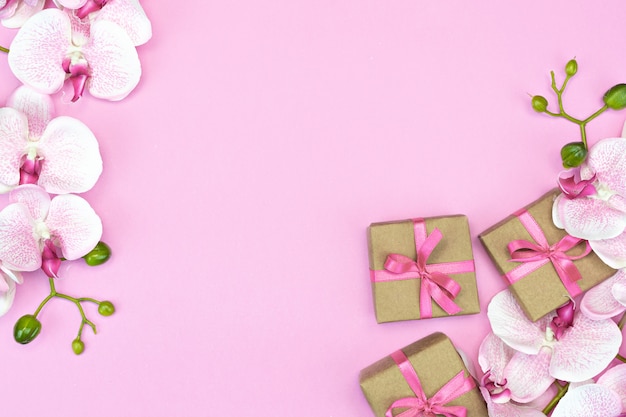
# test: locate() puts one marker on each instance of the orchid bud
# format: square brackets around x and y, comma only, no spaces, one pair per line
[571,68]
[26,329]
[106,308]
[98,255]
[78,346]
[539,103]
[573,154]
[615,98]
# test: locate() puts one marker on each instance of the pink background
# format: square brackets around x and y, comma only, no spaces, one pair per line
[241,174]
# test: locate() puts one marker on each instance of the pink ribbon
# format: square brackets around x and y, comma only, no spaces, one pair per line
[533,255]
[420,405]
[436,283]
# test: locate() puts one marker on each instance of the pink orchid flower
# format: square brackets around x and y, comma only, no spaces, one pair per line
[60,154]
[13,13]
[584,348]
[599,216]
[607,299]
[33,224]
[53,46]
[8,279]
[606,398]
[494,357]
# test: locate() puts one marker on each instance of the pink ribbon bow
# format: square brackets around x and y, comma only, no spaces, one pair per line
[420,405]
[436,284]
[534,255]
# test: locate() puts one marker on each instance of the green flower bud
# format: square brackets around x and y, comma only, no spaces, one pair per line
[571,68]
[573,154]
[539,103]
[615,98]
[26,329]
[78,346]
[98,255]
[106,308]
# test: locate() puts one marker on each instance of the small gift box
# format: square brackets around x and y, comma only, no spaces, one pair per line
[427,375]
[422,268]
[543,265]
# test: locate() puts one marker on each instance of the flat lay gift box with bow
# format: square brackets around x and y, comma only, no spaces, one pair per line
[544,265]
[427,376]
[422,268]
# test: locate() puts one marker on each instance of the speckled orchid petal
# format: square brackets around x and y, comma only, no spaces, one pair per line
[607,158]
[599,303]
[38,109]
[611,251]
[493,356]
[24,11]
[13,141]
[71,4]
[130,16]
[508,409]
[588,400]
[509,322]
[619,292]
[19,249]
[588,218]
[72,161]
[585,349]
[615,380]
[8,8]
[527,376]
[38,50]
[7,294]
[35,198]
[113,62]
[74,225]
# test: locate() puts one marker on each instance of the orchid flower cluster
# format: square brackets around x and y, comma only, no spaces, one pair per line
[47,160]
[575,349]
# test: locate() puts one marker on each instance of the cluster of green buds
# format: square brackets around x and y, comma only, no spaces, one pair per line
[574,154]
[28,327]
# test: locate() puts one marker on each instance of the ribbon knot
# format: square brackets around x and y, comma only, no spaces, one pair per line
[534,255]
[420,405]
[436,284]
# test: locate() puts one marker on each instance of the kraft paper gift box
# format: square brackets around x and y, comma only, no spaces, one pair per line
[440,282]
[430,369]
[541,276]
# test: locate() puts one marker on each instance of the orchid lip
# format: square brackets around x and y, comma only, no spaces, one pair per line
[90,7]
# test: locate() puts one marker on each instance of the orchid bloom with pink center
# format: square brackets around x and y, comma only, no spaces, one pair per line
[33,226]
[584,348]
[494,356]
[8,279]
[607,299]
[13,13]
[598,212]
[606,398]
[54,45]
[60,154]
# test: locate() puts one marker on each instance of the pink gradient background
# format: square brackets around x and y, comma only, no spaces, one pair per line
[241,174]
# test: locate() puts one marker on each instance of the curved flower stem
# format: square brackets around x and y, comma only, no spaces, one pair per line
[620,358]
[622,322]
[562,390]
[3,49]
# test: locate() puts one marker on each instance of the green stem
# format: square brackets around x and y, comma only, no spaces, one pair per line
[620,358]
[3,49]
[622,322]
[77,301]
[562,389]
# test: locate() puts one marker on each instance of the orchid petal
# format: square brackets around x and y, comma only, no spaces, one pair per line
[508,409]
[588,218]
[527,376]
[608,159]
[8,9]
[611,251]
[13,140]
[585,349]
[599,303]
[588,400]
[13,275]
[74,225]
[38,109]
[493,356]
[615,380]
[6,295]
[23,12]
[19,250]
[509,322]
[38,50]
[619,292]
[113,61]
[35,198]
[72,161]
[71,4]
[130,16]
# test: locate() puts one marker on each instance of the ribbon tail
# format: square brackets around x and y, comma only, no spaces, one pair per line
[569,275]
[445,301]
[426,307]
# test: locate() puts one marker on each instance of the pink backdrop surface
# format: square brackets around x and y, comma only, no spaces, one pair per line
[242,173]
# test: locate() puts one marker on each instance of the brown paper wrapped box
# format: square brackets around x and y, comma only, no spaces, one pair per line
[541,291]
[400,299]
[435,361]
